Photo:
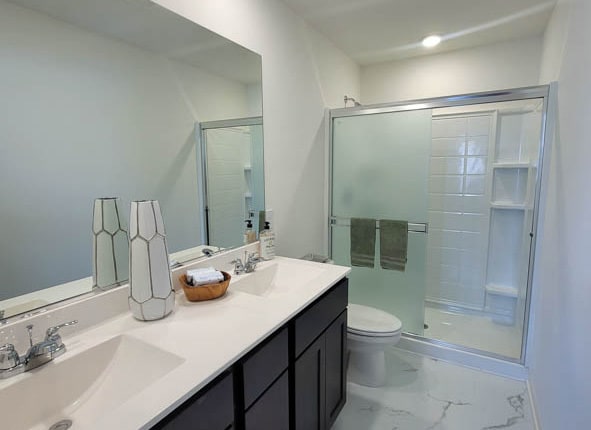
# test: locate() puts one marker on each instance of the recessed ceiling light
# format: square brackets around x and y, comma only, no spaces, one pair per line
[431,41]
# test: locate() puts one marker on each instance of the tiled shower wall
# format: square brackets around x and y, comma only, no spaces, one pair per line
[458,209]
[228,151]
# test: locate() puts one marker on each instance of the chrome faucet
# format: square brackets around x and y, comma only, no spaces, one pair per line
[249,266]
[38,354]
[251,262]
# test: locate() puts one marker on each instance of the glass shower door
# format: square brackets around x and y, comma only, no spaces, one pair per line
[380,170]
[234,180]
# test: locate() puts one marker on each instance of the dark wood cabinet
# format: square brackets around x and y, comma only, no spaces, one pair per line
[293,380]
[320,378]
[271,410]
[310,388]
[335,339]
[261,367]
[210,409]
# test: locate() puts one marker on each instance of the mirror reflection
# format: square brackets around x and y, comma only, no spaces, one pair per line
[100,99]
[234,182]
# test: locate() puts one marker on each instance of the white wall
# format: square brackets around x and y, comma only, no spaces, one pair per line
[492,67]
[560,344]
[297,86]
[86,116]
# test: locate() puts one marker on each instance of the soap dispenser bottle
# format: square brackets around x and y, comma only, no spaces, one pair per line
[249,234]
[267,242]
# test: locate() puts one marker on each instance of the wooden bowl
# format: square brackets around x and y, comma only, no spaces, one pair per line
[205,292]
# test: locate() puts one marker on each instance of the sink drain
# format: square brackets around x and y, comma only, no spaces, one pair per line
[61,425]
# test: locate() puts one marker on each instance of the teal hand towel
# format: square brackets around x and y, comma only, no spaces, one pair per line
[363,242]
[393,244]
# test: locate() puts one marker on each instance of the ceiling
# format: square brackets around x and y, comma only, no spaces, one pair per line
[156,29]
[375,31]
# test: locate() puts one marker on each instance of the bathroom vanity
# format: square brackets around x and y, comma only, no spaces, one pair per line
[295,379]
[270,354]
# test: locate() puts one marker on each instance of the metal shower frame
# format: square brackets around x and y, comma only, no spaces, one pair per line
[515,94]
[201,153]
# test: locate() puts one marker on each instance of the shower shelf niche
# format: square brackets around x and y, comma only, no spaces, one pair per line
[511,191]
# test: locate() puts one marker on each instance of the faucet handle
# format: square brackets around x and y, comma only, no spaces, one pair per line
[253,257]
[51,333]
[238,266]
[9,358]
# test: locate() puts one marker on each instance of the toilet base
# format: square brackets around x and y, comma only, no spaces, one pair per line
[367,368]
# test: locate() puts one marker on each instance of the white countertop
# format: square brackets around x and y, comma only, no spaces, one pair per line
[208,336]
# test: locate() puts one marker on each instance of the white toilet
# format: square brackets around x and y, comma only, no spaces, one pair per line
[369,332]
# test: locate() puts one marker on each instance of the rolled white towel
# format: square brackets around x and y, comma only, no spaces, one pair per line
[204,276]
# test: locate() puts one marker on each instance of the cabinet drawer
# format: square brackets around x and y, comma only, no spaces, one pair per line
[314,320]
[264,366]
[271,410]
[210,409]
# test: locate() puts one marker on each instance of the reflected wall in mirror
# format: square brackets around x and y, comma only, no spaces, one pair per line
[233,180]
[100,99]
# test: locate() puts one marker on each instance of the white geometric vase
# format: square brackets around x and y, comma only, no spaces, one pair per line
[110,245]
[151,296]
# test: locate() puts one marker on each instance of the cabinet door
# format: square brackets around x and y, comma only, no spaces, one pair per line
[310,387]
[211,410]
[335,338]
[271,410]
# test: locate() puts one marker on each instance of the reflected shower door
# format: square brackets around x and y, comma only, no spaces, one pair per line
[234,181]
[380,169]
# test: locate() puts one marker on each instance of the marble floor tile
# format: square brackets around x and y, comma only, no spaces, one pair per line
[423,393]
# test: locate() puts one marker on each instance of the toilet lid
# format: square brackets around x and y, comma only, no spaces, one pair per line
[371,321]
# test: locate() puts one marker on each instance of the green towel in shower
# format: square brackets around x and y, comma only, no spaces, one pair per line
[363,242]
[393,244]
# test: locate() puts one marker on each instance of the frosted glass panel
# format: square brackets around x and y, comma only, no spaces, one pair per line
[380,170]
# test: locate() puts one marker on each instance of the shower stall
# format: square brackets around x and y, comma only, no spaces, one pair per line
[464,172]
[232,183]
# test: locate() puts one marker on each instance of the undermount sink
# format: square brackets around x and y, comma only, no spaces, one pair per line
[81,387]
[276,277]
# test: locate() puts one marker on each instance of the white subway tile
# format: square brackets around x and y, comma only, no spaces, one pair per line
[452,239]
[450,273]
[479,125]
[475,184]
[445,184]
[448,127]
[447,166]
[474,204]
[436,219]
[443,147]
[447,203]
[476,165]
[450,256]
[474,223]
[477,145]
[471,240]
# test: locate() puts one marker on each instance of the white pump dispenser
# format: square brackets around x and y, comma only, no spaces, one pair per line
[267,242]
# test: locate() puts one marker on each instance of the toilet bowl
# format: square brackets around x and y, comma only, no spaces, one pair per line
[369,332]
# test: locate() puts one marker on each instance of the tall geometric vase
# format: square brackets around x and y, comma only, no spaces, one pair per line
[110,245]
[151,296]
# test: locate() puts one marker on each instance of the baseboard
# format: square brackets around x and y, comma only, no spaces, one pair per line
[532,402]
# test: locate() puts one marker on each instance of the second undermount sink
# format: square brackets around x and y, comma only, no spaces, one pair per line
[81,387]
[277,277]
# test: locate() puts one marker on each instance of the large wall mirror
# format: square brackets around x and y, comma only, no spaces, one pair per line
[101,99]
